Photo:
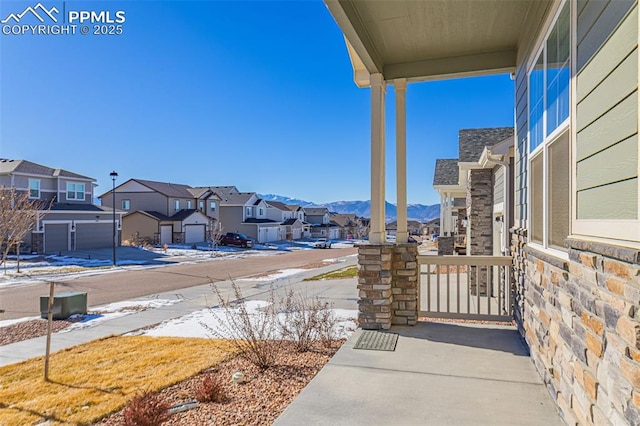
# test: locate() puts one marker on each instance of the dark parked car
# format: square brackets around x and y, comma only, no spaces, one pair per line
[234,239]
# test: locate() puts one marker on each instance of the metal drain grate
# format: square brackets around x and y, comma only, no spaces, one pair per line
[377,341]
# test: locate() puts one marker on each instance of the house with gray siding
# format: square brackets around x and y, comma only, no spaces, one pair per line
[246,213]
[72,221]
[575,239]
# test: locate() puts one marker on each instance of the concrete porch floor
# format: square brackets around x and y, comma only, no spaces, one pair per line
[439,374]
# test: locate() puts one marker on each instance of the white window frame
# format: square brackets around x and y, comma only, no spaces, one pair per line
[614,231]
[126,204]
[249,211]
[188,204]
[547,141]
[212,206]
[201,204]
[36,181]
[75,191]
[176,205]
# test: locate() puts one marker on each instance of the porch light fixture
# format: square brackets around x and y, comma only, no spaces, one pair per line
[114,175]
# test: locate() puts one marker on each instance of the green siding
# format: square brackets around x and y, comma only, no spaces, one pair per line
[596,22]
[616,125]
[619,162]
[618,85]
[615,201]
[619,46]
[607,118]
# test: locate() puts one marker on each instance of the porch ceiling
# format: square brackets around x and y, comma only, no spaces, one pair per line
[422,40]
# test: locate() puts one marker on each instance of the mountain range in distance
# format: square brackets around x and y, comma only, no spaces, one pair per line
[419,212]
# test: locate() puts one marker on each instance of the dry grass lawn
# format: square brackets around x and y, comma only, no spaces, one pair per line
[349,272]
[92,380]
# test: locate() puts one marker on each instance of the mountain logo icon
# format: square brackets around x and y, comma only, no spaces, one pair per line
[38,11]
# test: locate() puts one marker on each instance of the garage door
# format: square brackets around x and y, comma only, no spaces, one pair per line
[166,232]
[297,233]
[194,234]
[273,234]
[56,237]
[94,235]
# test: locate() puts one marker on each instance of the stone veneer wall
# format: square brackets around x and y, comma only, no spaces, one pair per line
[582,325]
[518,243]
[445,245]
[404,307]
[387,284]
[480,212]
[479,222]
[374,285]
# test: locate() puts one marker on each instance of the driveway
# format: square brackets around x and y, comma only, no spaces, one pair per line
[118,284]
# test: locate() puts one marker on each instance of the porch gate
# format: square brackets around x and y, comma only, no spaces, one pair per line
[466,287]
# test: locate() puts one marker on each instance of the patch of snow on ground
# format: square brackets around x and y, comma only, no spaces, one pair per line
[216,322]
[113,311]
[280,274]
[9,322]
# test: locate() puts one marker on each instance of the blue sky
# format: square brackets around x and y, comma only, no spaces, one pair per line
[257,94]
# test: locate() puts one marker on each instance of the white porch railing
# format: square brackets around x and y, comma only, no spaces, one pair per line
[465,287]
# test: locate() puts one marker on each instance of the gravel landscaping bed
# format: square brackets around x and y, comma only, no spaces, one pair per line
[29,329]
[258,400]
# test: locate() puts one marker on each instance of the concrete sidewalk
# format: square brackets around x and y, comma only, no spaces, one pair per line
[439,374]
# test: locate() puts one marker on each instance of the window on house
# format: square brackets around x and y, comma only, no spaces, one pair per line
[75,191]
[201,205]
[188,204]
[176,205]
[249,211]
[549,145]
[34,188]
[261,212]
[212,206]
[126,204]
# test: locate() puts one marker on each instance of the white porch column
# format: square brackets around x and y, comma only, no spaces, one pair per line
[377,233]
[400,86]
[442,225]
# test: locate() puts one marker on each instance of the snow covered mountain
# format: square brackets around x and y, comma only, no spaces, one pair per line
[418,212]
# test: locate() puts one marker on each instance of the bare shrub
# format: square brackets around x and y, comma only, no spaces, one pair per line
[210,390]
[253,334]
[146,409]
[306,321]
[327,327]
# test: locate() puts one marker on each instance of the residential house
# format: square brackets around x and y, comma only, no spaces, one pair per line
[432,227]
[576,236]
[350,225]
[413,227]
[321,224]
[300,214]
[246,213]
[164,212]
[290,226]
[72,221]
[474,205]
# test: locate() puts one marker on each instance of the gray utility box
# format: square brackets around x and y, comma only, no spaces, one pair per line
[64,305]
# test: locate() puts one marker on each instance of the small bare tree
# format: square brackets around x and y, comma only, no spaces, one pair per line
[18,216]
[215,233]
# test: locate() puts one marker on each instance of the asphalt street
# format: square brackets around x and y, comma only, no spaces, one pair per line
[124,284]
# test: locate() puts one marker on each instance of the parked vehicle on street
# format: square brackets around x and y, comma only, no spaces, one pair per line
[235,239]
[322,243]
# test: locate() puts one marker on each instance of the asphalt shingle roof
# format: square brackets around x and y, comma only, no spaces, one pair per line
[27,167]
[446,172]
[316,211]
[167,188]
[236,199]
[278,205]
[471,142]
